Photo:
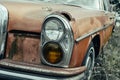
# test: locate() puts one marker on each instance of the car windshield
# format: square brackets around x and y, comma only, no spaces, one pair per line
[93,4]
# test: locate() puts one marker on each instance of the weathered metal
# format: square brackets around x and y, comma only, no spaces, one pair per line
[41,69]
[23,47]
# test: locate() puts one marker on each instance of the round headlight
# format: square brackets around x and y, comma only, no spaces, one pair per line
[52,53]
[53,28]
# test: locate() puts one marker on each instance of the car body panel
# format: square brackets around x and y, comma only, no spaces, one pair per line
[24,31]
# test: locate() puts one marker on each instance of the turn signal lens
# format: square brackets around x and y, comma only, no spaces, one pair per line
[52,53]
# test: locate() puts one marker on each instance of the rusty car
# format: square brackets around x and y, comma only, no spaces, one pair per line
[52,39]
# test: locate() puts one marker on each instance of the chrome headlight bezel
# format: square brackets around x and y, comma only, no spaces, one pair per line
[67,38]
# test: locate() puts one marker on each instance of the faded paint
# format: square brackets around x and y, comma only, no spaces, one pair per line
[79,51]
[30,16]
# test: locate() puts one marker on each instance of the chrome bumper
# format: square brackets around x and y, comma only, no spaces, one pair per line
[7,74]
[11,71]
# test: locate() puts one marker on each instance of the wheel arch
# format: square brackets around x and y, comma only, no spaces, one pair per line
[96,42]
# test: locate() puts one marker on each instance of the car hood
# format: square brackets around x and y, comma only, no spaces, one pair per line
[29,16]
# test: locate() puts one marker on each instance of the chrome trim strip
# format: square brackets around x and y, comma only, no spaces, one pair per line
[91,33]
[67,52]
[19,75]
[3,28]
[5,73]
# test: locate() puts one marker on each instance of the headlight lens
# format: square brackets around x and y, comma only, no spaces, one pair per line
[52,53]
[53,28]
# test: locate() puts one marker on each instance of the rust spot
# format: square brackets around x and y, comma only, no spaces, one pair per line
[16,51]
[23,48]
[13,49]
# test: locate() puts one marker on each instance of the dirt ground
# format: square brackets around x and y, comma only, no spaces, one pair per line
[107,66]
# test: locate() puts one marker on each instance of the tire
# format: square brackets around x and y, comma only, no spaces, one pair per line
[89,61]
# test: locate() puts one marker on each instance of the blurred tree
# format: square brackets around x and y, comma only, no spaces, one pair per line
[118,7]
[114,1]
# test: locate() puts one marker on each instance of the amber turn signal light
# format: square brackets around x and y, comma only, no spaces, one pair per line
[52,53]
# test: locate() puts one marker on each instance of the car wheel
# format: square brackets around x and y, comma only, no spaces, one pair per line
[89,61]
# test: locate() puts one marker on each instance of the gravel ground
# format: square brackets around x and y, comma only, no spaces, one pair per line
[107,66]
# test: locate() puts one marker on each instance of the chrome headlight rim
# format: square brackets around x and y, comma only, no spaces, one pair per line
[67,52]
[49,19]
